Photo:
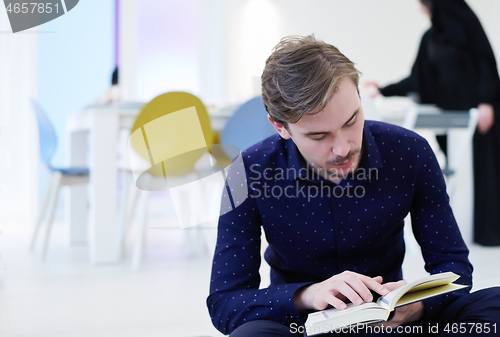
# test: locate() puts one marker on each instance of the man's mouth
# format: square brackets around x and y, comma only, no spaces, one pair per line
[345,163]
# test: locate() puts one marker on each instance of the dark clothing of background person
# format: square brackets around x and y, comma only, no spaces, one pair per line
[455,69]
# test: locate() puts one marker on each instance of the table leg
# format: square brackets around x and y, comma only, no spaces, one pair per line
[103,229]
[76,212]
[462,197]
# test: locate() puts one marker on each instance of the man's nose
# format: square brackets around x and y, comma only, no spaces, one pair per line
[341,146]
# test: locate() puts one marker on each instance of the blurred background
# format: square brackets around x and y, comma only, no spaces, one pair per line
[213,49]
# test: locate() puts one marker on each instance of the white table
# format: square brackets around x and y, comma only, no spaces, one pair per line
[92,139]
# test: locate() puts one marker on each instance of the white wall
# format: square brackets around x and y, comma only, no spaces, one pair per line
[65,64]
[18,152]
[381,37]
[383,45]
[158,47]
[75,63]
[217,48]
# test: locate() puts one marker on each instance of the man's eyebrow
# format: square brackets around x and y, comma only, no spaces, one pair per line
[317,133]
[327,132]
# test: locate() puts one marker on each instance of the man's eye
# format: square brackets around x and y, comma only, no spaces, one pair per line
[352,122]
[318,137]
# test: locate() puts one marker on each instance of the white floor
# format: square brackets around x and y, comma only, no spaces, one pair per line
[66,296]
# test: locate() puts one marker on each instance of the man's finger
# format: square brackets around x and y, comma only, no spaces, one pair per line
[351,294]
[375,286]
[394,285]
[360,286]
[335,302]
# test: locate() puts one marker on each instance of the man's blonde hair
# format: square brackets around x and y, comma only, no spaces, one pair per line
[301,76]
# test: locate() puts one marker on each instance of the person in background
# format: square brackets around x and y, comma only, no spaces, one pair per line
[455,69]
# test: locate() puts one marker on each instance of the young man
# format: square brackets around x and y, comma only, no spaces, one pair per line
[331,192]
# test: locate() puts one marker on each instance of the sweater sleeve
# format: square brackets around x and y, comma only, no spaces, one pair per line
[437,232]
[235,297]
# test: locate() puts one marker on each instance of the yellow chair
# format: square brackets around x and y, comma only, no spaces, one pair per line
[172,135]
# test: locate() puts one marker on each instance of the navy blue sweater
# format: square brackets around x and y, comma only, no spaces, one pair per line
[316,229]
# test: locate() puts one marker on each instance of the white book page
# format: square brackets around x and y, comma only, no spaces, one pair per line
[320,316]
[389,301]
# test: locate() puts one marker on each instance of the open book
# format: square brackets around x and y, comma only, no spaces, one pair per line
[334,319]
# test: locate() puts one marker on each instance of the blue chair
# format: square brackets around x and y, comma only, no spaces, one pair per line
[248,125]
[58,176]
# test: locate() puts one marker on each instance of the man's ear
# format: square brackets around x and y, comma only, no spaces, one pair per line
[283,132]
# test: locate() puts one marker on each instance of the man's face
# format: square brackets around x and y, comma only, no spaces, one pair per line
[331,139]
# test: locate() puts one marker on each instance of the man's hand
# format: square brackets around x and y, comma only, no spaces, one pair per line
[486,117]
[337,289]
[405,314]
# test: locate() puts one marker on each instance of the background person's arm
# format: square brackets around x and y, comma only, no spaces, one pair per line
[488,91]
[410,83]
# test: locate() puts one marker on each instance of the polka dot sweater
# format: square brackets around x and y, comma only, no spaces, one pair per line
[316,229]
